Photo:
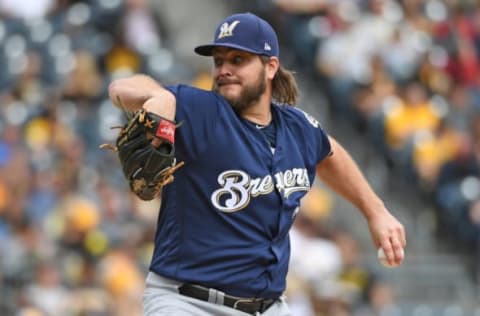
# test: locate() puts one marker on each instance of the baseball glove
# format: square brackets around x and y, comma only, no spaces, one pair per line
[147,168]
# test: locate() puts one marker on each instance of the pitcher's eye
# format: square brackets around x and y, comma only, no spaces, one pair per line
[236,60]
[217,62]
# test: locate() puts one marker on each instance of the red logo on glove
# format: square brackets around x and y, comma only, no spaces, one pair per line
[166,130]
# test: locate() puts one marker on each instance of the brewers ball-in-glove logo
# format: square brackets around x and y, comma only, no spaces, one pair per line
[227,29]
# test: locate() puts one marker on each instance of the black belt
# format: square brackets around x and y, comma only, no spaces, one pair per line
[247,305]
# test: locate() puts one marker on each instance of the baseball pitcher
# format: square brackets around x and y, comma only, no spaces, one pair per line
[231,165]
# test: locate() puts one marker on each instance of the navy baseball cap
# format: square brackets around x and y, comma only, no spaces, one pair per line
[244,31]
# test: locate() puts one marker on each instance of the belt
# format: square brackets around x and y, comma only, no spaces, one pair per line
[247,305]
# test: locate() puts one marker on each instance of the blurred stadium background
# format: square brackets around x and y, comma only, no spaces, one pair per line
[397,82]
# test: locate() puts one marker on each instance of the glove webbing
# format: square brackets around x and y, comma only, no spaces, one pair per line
[154,124]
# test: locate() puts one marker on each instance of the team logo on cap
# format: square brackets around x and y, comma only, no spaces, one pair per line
[227,29]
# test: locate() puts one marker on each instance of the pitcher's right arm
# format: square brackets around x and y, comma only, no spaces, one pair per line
[141,91]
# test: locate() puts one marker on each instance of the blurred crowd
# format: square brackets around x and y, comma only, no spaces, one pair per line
[73,242]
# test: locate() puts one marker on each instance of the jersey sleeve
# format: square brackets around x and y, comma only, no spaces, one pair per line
[319,144]
[197,111]
[324,148]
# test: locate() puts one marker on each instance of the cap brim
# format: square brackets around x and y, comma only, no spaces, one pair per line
[206,50]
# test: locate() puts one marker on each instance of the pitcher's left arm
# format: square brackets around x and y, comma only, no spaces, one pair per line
[340,172]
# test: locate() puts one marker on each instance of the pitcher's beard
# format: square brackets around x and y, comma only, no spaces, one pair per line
[249,95]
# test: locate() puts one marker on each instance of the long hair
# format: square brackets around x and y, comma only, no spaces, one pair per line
[284,85]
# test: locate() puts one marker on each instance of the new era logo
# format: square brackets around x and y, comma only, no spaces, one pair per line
[267,47]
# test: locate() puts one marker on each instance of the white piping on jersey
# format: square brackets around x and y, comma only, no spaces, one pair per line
[237,187]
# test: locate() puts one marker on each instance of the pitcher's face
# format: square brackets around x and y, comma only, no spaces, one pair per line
[239,77]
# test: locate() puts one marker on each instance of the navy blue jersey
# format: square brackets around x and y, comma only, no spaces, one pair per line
[224,221]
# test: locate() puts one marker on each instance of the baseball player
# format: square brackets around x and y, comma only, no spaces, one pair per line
[222,244]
